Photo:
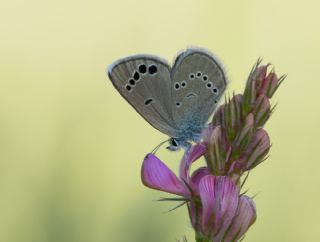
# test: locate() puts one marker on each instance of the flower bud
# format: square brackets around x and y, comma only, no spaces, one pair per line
[269,84]
[257,149]
[229,115]
[262,110]
[216,152]
[260,82]
[245,134]
[249,97]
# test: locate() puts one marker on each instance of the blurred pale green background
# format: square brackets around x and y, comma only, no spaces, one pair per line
[71,147]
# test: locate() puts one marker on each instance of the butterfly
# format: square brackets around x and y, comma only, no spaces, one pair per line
[177,100]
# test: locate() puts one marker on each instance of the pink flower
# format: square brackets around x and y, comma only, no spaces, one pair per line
[219,197]
[215,206]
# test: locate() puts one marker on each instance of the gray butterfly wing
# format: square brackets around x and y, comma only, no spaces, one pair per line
[145,82]
[198,82]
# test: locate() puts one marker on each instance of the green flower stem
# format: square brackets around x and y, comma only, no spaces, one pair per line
[199,238]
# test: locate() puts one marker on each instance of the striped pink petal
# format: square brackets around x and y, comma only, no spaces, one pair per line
[196,177]
[219,196]
[190,156]
[155,174]
[245,217]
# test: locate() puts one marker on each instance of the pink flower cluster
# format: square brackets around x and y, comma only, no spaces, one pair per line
[234,143]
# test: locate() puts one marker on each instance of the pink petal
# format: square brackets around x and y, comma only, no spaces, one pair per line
[155,174]
[219,196]
[246,216]
[189,157]
[196,152]
[197,176]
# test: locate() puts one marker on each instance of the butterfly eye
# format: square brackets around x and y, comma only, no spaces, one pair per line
[199,74]
[215,101]
[183,84]
[174,142]
[129,88]
[136,76]
[152,69]
[142,68]
[176,85]
[204,77]
[209,85]
[191,76]
[178,104]
[215,90]
[132,82]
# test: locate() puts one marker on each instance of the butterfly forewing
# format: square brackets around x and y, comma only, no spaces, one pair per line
[144,81]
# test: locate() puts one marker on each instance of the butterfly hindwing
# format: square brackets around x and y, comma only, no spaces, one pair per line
[198,82]
[144,81]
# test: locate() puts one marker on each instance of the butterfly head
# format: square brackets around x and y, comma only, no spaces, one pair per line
[175,144]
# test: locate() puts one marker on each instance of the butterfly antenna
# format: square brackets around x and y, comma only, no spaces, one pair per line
[158,146]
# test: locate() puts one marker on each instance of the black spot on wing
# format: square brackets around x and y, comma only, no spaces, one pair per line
[152,69]
[148,101]
[142,68]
